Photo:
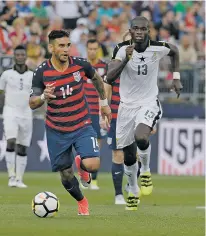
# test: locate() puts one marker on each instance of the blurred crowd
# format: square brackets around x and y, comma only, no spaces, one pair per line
[29,23]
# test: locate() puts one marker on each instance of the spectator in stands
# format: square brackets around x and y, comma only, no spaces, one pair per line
[5,43]
[114,25]
[9,12]
[18,36]
[92,18]
[24,9]
[160,8]
[69,12]
[169,21]
[56,23]
[40,13]
[187,52]
[104,10]
[81,28]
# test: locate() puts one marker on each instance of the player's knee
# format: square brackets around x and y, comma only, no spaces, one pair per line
[142,142]
[91,164]
[130,154]
[117,157]
[11,143]
[67,174]
[21,150]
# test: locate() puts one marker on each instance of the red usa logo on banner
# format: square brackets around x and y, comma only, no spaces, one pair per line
[181,147]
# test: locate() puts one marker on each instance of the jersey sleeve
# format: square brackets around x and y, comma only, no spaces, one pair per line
[165,49]
[121,54]
[37,83]
[89,70]
[3,81]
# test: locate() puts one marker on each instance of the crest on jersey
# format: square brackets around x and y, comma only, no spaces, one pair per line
[101,71]
[154,57]
[77,76]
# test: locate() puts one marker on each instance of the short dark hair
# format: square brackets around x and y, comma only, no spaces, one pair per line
[56,34]
[20,47]
[92,41]
[139,18]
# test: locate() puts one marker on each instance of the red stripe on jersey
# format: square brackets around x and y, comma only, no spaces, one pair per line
[115,98]
[89,100]
[60,82]
[114,115]
[69,70]
[115,89]
[114,106]
[69,99]
[69,118]
[91,93]
[94,113]
[89,85]
[66,109]
[94,106]
[69,129]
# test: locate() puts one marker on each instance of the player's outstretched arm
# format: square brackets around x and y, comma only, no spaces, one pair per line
[174,56]
[99,85]
[116,66]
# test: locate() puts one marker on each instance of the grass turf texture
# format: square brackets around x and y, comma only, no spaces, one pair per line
[170,210]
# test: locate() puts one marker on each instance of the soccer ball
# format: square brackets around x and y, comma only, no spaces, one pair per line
[45,204]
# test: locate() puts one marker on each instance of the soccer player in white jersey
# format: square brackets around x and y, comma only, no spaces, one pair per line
[17,116]
[137,64]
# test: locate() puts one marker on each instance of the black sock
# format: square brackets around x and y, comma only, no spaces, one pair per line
[94,176]
[138,172]
[72,187]
[117,176]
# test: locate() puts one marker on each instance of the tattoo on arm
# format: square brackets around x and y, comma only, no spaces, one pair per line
[99,85]
[174,56]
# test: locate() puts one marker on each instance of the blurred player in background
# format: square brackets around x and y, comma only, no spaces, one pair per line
[59,81]
[17,116]
[137,63]
[93,97]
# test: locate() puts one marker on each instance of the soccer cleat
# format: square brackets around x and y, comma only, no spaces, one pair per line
[119,200]
[20,184]
[93,185]
[83,207]
[12,182]
[85,177]
[132,202]
[146,183]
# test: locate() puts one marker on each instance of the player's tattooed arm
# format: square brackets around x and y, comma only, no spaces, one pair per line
[174,56]
[99,85]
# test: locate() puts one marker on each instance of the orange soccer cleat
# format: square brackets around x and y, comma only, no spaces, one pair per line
[83,207]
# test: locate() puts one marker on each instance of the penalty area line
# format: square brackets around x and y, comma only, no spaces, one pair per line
[201,207]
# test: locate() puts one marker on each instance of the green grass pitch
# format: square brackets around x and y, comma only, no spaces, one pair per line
[169,211]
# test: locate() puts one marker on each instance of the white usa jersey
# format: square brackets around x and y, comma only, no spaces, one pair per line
[138,80]
[17,89]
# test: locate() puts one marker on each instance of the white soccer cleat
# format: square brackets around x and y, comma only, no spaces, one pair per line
[12,182]
[119,200]
[93,187]
[20,184]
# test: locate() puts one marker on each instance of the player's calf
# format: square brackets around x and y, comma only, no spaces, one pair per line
[71,184]
[144,149]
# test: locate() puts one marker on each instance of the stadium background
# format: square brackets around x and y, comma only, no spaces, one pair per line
[178,148]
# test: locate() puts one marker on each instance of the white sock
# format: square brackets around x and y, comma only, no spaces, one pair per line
[131,173]
[10,163]
[144,156]
[21,162]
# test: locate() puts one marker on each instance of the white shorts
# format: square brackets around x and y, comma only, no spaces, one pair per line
[129,118]
[18,128]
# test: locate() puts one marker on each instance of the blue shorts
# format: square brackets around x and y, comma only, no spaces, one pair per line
[111,137]
[96,126]
[84,141]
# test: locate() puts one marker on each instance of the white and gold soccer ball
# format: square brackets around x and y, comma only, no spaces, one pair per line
[45,204]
